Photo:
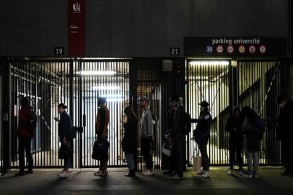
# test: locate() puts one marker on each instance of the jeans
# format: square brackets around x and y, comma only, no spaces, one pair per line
[67,163]
[130,161]
[146,152]
[204,157]
[236,145]
[103,165]
[252,160]
[25,143]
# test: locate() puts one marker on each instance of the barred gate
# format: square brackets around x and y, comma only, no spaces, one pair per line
[209,80]
[78,84]
[257,85]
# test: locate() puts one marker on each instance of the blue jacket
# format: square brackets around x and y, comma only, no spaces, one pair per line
[65,127]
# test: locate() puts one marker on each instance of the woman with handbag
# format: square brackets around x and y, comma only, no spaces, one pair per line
[65,137]
[129,142]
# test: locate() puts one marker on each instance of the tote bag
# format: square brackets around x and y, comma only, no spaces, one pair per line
[196,161]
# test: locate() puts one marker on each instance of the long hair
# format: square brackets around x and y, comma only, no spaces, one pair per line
[130,114]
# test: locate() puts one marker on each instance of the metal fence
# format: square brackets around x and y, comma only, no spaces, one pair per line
[255,84]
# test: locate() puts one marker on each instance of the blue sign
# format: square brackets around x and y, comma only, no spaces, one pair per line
[209,49]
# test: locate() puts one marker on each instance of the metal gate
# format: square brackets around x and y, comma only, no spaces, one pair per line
[246,83]
[209,80]
[258,86]
[78,84]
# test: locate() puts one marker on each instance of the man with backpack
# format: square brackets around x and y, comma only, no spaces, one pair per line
[25,133]
[253,129]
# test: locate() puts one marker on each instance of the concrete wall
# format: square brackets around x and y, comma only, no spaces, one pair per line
[135,28]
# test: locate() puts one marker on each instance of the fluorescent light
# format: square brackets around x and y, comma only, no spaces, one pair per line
[96,73]
[209,63]
[111,96]
[105,87]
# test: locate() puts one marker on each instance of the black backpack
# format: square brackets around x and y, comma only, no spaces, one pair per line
[187,124]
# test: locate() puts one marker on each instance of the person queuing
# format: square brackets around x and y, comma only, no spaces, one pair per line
[129,142]
[251,126]
[25,133]
[201,135]
[167,138]
[65,136]
[102,122]
[285,133]
[234,127]
[146,136]
[178,138]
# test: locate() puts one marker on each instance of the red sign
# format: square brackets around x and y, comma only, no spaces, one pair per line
[76,27]
[220,49]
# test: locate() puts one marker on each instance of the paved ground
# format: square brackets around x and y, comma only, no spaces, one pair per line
[45,181]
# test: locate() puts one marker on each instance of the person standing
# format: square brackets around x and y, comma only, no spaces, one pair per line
[234,127]
[178,138]
[129,142]
[285,133]
[167,138]
[251,142]
[146,136]
[25,133]
[201,135]
[102,123]
[65,133]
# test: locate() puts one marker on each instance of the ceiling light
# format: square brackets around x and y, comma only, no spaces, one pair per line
[96,73]
[209,63]
[104,87]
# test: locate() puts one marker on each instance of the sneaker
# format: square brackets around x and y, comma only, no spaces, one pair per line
[201,172]
[29,172]
[248,176]
[176,177]
[148,173]
[20,173]
[256,176]
[241,172]
[101,173]
[230,171]
[64,174]
[206,174]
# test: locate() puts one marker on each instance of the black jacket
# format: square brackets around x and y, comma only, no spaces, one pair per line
[285,122]
[234,127]
[178,123]
[202,131]
[65,127]
[129,142]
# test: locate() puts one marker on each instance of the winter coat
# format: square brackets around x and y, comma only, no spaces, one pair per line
[129,142]
[147,123]
[285,123]
[252,131]
[234,127]
[178,125]
[65,127]
[102,122]
[202,131]
[24,123]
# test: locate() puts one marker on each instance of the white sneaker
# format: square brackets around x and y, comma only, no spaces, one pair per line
[206,174]
[101,173]
[176,177]
[230,171]
[60,172]
[241,173]
[64,174]
[147,173]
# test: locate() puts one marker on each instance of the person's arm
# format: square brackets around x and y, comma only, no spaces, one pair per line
[149,124]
